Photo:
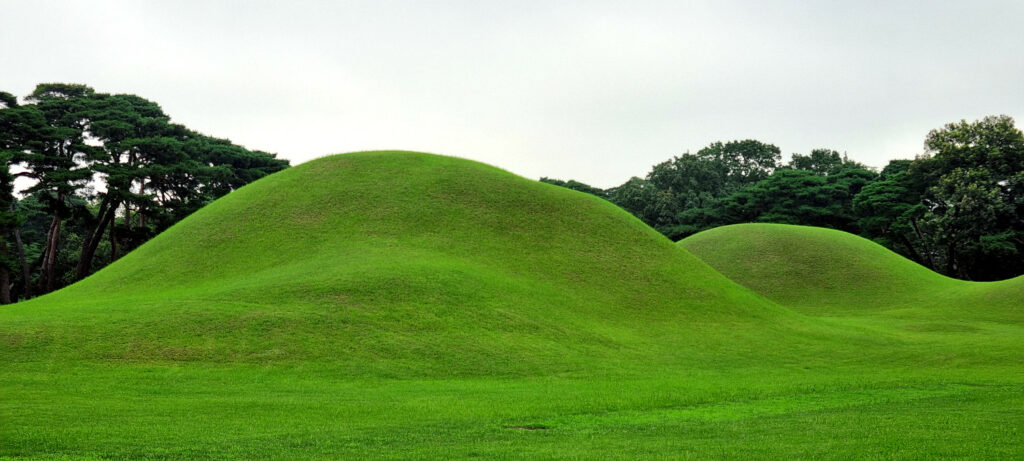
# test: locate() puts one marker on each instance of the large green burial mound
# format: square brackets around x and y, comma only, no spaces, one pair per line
[380,259]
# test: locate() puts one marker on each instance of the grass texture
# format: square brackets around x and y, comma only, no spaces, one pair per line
[406,306]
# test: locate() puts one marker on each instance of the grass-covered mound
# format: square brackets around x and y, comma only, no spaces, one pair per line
[430,263]
[400,305]
[833,272]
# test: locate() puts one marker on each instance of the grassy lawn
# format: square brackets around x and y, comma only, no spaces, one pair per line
[132,411]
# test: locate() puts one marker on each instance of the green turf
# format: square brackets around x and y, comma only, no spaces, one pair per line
[401,305]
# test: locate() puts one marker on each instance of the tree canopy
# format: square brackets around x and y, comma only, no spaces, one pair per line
[104,165]
[957,209]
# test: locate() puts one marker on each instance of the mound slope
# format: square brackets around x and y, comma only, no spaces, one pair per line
[828,271]
[430,262]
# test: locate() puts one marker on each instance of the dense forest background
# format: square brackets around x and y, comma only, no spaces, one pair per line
[958,208]
[102,173]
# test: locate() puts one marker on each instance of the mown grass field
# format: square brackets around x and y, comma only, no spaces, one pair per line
[401,305]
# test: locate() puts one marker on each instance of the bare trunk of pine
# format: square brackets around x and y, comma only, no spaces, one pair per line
[106,214]
[924,245]
[25,272]
[45,257]
[910,248]
[5,276]
[51,255]
[951,260]
[113,240]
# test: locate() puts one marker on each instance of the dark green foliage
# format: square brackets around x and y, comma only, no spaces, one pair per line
[822,197]
[744,162]
[8,222]
[682,191]
[688,181]
[959,211]
[153,173]
[968,217]
[890,212]
[637,196]
[576,185]
[798,197]
[823,162]
[674,189]
[787,197]
[975,197]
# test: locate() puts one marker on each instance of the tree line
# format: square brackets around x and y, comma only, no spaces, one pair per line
[104,173]
[958,208]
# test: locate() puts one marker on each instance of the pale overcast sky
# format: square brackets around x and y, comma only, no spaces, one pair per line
[597,91]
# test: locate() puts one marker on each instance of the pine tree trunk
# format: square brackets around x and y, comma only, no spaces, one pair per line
[45,256]
[113,241]
[26,274]
[51,255]
[910,249]
[5,276]
[92,242]
[951,260]
[924,245]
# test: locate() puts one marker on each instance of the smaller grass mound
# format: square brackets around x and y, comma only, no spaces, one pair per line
[825,271]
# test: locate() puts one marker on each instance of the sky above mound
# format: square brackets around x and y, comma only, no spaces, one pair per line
[596,91]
